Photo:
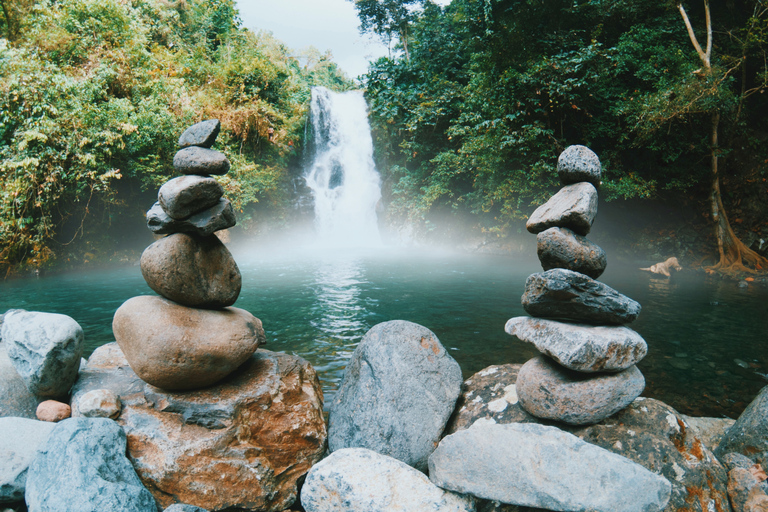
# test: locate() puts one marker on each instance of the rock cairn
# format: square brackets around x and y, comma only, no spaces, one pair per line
[190,337]
[587,368]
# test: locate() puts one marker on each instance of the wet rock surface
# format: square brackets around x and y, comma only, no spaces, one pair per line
[217,217]
[562,248]
[573,207]
[201,134]
[193,271]
[187,195]
[45,349]
[564,294]
[748,435]
[579,163]
[202,161]
[361,480]
[398,391]
[175,347]
[579,347]
[494,462]
[550,391]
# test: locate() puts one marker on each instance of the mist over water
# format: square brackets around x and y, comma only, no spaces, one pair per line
[342,176]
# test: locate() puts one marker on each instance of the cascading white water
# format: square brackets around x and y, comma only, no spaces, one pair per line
[342,175]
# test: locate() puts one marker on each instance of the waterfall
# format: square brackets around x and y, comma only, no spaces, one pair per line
[341,173]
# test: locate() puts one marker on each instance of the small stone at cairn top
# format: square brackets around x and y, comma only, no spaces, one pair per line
[573,207]
[562,248]
[577,164]
[217,217]
[202,134]
[197,160]
[187,195]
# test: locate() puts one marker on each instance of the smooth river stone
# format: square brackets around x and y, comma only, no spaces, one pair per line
[573,207]
[398,391]
[579,163]
[188,195]
[193,271]
[569,295]
[197,160]
[176,347]
[361,480]
[580,347]
[202,134]
[562,248]
[549,391]
[539,466]
[217,217]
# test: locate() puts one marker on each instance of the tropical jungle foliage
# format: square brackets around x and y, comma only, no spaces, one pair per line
[492,91]
[94,95]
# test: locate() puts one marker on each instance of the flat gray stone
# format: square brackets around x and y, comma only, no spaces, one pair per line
[45,349]
[580,347]
[544,467]
[180,507]
[202,161]
[562,248]
[20,439]
[573,207]
[568,295]
[15,399]
[549,391]
[361,480]
[749,435]
[397,394]
[579,163]
[187,195]
[82,467]
[217,217]
[193,271]
[201,134]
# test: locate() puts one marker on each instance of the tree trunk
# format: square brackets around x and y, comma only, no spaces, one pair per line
[404,39]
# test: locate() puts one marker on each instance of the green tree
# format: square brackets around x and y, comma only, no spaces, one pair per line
[389,18]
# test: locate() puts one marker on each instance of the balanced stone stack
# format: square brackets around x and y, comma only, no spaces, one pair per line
[587,371]
[189,337]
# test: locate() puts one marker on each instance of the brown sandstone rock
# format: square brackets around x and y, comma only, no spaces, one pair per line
[243,443]
[193,271]
[175,347]
[53,411]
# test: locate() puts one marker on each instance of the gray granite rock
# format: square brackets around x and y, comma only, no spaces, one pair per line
[98,403]
[202,161]
[564,294]
[361,480]
[187,195]
[83,468]
[540,466]
[217,217]
[580,347]
[749,435]
[562,248]
[193,271]
[397,394]
[201,134]
[45,350]
[709,430]
[107,368]
[15,399]
[579,163]
[550,391]
[20,439]
[573,207]
[180,507]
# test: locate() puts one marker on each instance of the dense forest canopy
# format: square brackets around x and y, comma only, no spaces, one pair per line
[472,119]
[94,95]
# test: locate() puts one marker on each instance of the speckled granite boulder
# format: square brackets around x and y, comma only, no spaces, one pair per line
[562,248]
[201,134]
[573,207]
[579,163]
[749,435]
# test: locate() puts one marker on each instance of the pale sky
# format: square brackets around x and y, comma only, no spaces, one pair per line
[324,24]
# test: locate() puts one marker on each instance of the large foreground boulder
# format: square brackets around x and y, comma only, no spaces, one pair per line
[397,394]
[176,347]
[45,349]
[193,271]
[564,294]
[20,438]
[361,480]
[749,435]
[648,432]
[83,468]
[583,348]
[544,467]
[243,443]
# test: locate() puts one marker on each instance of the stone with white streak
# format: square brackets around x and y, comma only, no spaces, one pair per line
[540,466]
[361,480]
[579,347]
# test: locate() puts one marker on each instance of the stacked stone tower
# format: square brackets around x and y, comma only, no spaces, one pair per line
[189,337]
[587,368]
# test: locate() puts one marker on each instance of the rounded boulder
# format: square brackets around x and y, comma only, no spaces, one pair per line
[579,163]
[194,271]
[174,347]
